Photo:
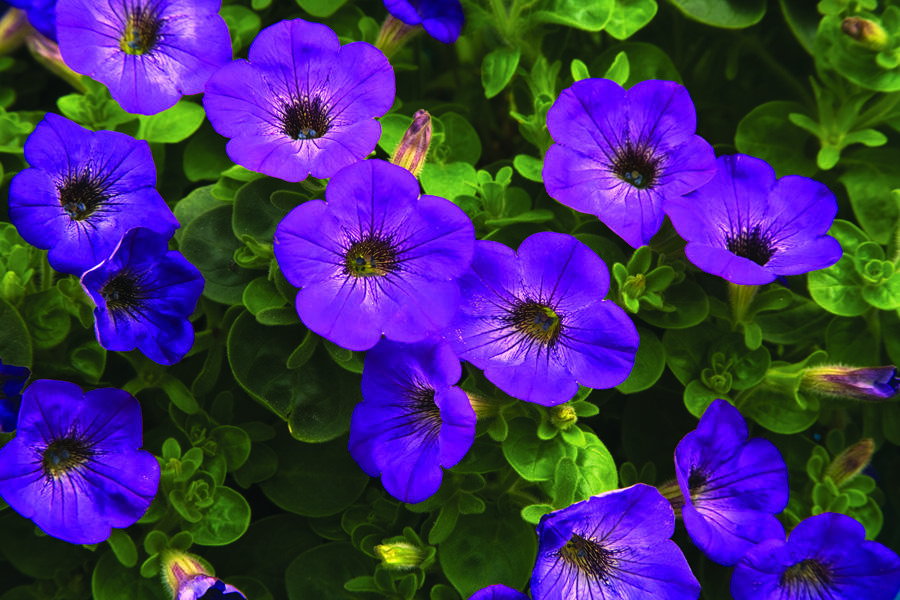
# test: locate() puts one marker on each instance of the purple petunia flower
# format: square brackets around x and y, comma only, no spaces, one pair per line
[187,579]
[613,545]
[376,258]
[441,19]
[825,557]
[732,486]
[621,154]
[536,322]
[301,103]
[12,380]
[209,588]
[413,419]
[41,14]
[148,52]
[498,592]
[74,467]
[144,294]
[84,191]
[748,228]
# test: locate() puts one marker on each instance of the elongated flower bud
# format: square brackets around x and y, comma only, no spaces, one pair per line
[849,463]
[400,555]
[867,383]
[867,33]
[413,147]
[394,34]
[188,579]
[46,52]
[13,29]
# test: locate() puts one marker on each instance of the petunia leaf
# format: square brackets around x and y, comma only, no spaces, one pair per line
[590,16]
[497,69]
[113,581]
[650,362]
[531,457]
[764,132]
[171,125]
[629,16]
[730,14]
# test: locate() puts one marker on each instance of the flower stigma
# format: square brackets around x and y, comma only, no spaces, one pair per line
[636,165]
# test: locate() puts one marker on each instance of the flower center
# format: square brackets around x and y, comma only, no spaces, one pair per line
[371,257]
[537,321]
[81,195]
[806,575]
[124,293]
[753,244]
[64,455]
[141,33]
[424,411]
[696,482]
[636,165]
[305,118]
[589,557]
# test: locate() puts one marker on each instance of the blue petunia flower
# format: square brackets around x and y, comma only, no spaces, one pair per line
[301,103]
[376,258]
[732,486]
[75,467]
[144,294]
[748,228]
[613,545]
[148,52]
[622,154]
[84,191]
[536,322]
[441,19]
[826,557]
[498,592]
[41,14]
[413,420]
[12,380]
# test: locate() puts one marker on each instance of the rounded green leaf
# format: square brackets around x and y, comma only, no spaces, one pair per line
[765,132]
[649,365]
[532,458]
[15,343]
[223,522]
[629,16]
[497,69]
[645,61]
[839,288]
[321,573]
[112,581]
[590,16]
[171,125]
[730,14]
[691,307]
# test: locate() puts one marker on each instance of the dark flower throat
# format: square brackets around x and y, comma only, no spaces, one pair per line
[636,165]
[124,294]
[589,557]
[65,454]
[142,25]
[424,412]
[538,322]
[81,195]
[753,244]
[305,118]
[808,574]
[372,256]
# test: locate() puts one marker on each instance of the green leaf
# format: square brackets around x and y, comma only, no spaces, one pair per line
[179,394]
[254,214]
[803,19]
[764,133]
[529,167]
[243,24]
[15,342]
[876,209]
[322,571]
[691,307]
[47,318]
[204,155]
[850,342]
[223,522]
[644,61]
[564,479]
[321,8]
[460,139]
[261,294]
[532,458]
[596,469]
[485,549]
[208,242]
[589,16]
[314,480]
[448,180]
[698,397]
[123,547]
[839,288]
[113,581]
[171,125]
[730,14]
[579,70]
[192,206]
[497,69]
[34,556]
[649,365]
[629,16]
[233,444]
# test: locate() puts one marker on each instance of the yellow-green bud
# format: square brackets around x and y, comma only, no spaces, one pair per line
[563,416]
[866,33]
[849,463]
[394,34]
[400,555]
[413,147]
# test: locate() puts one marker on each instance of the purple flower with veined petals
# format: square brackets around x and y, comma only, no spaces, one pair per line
[301,103]
[536,322]
[622,154]
[613,545]
[84,190]
[75,467]
[748,228]
[144,294]
[147,52]
[376,259]
[732,486]
[12,380]
[498,592]
[413,420]
[41,14]
[441,19]
[206,587]
[826,557]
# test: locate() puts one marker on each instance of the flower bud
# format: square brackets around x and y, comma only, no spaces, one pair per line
[867,34]
[394,34]
[400,555]
[46,52]
[188,579]
[849,463]
[14,27]
[413,147]
[867,383]
[563,416]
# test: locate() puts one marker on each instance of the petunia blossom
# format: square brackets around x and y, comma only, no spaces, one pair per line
[84,190]
[826,557]
[376,258]
[75,467]
[301,103]
[144,294]
[413,420]
[613,545]
[441,19]
[749,228]
[536,323]
[148,53]
[621,154]
[732,486]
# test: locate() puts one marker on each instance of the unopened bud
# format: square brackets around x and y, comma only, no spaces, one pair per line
[849,463]
[14,27]
[482,406]
[46,52]
[413,147]
[563,416]
[400,555]
[634,286]
[867,34]
[394,34]
[867,383]
[188,579]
